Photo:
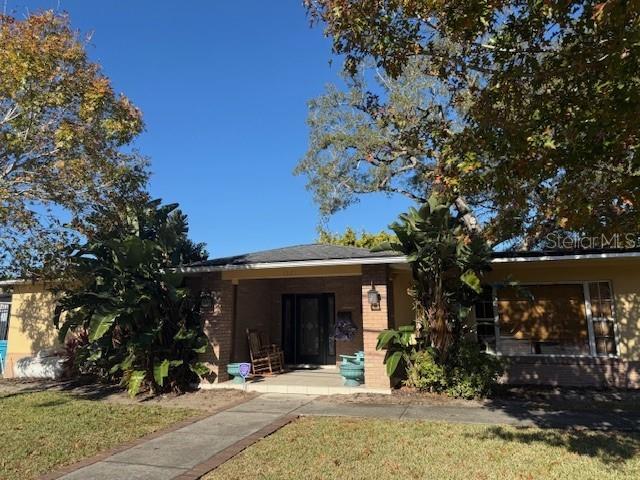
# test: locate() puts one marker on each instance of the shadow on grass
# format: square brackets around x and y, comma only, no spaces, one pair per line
[549,417]
[83,388]
[53,403]
[611,448]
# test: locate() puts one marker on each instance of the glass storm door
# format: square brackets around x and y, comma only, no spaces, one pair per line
[308,329]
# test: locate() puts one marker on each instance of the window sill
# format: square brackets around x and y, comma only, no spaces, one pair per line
[561,359]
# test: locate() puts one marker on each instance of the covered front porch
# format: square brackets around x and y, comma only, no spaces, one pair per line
[296,305]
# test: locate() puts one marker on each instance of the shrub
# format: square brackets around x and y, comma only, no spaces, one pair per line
[468,373]
[137,322]
[424,373]
[472,373]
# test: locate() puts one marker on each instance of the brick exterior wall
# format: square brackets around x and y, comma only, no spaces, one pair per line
[572,372]
[218,323]
[259,306]
[374,321]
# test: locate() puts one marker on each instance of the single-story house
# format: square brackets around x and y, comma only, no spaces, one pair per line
[27,325]
[557,318]
[561,318]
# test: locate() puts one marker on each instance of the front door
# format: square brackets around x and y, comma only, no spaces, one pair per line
[308,329]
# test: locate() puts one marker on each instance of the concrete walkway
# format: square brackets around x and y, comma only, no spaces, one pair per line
[174,454]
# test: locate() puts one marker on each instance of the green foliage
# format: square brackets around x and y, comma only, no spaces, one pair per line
[469,372]
[425,373]
[143,326]
[351,238]
[527,109]
[65,140]
[399,346]
[361,142]
[447,263]
[472,373]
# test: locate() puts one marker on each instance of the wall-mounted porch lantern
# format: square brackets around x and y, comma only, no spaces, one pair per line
[374,297]
[206,300]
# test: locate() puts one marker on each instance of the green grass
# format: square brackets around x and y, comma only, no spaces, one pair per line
[44,430]
[332,448]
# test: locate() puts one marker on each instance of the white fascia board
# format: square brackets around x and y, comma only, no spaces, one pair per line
[11,283]
[550,258]
[298,264]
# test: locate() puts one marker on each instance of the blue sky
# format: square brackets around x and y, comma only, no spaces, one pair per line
[223,86]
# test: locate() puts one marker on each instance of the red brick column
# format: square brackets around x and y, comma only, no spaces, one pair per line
[374,320]
[218,325]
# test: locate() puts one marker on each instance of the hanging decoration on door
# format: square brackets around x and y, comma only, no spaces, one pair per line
[345,328]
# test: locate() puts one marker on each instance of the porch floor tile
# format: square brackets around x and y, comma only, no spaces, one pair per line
[318,381]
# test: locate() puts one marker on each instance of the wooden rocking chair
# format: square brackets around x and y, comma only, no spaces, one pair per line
[266,344]
[265,358]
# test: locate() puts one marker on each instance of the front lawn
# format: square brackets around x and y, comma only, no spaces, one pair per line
[327,448]
[44,430]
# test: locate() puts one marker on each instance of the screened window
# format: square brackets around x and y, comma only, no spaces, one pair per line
[485,320]
[543,319]
[4,320]
[558,319]
[602,317]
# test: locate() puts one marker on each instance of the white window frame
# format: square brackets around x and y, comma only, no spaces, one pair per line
[488,319]
[587,301]
[6,321]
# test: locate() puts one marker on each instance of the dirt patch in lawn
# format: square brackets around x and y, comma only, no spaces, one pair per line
[546,398]
[205,400]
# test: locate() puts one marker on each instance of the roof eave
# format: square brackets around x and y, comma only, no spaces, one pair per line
[13,282]
[297,264]
[399,259]
[571,256]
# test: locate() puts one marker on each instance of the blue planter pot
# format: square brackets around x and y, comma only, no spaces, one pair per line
[3,354]
[233,369]
[349,359]
[353,374]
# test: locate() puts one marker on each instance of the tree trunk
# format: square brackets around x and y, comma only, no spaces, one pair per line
[469,219]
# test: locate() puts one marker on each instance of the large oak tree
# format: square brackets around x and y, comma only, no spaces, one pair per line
[65,140]
[529,109]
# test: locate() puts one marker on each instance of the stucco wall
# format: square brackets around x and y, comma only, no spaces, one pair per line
[31,326]
[403,313]
[624,276]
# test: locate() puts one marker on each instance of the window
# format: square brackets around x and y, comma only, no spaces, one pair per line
[543,319]
[485,320]
[602,317]
[4,320]
[548,319]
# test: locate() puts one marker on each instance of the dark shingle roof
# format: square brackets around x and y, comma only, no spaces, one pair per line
[297,253]
[319,252]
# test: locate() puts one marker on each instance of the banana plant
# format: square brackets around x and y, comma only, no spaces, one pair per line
[447,263]
[143,325]
[399,345]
